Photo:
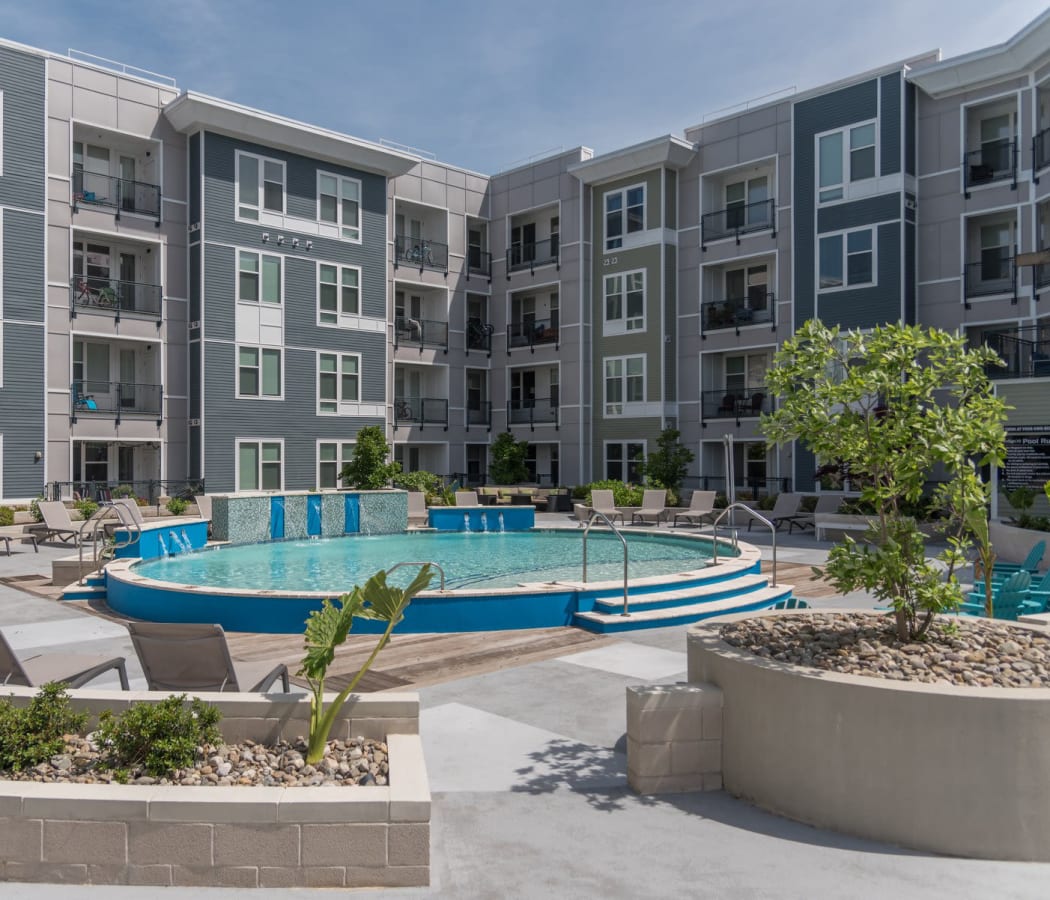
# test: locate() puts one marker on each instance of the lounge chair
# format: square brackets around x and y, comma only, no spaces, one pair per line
[701,506]
[653,509]
[1007,602]
[418,517]
[203,502]
[195,657]
[72,669]
[1036,600]
[826,503]
[602,501]
[1030,563]
[784,510]
[467,498]
[131,509]
[56,523]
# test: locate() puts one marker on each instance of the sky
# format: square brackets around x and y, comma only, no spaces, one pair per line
[487,85]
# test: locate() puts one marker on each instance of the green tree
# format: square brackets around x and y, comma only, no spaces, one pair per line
[669,462]
[369,469]
[891,407]
[507,464]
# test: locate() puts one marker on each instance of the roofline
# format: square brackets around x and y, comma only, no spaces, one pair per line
[666,150]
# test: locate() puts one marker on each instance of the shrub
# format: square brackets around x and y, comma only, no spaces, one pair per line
[668,463]
[7,516]
[159,737]
[87,508]
[581,492]
[369,469]
[32,734]
[421,480]
[507,457]
[122,491]
[34,509]
[623,494]
[176,506]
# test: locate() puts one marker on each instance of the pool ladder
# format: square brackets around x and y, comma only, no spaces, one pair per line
[596,514]
[99,548]
[754,514]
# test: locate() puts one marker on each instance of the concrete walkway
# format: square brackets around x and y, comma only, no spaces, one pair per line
[528,773]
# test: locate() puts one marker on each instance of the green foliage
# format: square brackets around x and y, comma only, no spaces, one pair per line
[581,491]
[369,469]
[888,407]
[32,734]
[159,737]
[769,501]
[123,491]
[669,462]
[623,494]
[86,507]
[176,506]
[34,509]
[7,516]
[421,480]
[507,460]
[1021,499]
[328,627]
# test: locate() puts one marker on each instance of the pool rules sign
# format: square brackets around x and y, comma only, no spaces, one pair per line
[1027,457]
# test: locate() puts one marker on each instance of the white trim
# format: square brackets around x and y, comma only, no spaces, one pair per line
[622,325]
[630,408]
[259,368]
[258,302]
[844,234]
[938,280]
[237,442]
[941,172]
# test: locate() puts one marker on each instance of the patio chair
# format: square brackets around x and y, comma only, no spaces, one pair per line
[195,657]
[784,510]
[701,507]
[826,503]
[132,511]
[602,501]
[56,523]
[1036,600]
[467,498]
[1029,564]
[72,669]
[1007,602]
[418,517]
[203,502]
[653,509]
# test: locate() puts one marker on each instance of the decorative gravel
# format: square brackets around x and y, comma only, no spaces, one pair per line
[960,650]
[346,763]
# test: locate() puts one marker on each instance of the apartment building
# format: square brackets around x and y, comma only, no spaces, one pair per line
[194,290]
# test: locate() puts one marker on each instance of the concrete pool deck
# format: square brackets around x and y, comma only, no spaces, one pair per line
[528,775]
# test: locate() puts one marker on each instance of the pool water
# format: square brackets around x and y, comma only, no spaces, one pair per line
[492,560]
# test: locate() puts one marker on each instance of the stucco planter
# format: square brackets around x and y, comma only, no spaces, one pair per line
[1013,544]
[955,770]
[236,836]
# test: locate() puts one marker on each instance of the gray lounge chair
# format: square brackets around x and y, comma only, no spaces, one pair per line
[72,669]
[57,523]
[826,503]
[418,517]
[602,501]
[195,657]
[653,508]
[701,507]
[784,510]
[467,498]
[132,511]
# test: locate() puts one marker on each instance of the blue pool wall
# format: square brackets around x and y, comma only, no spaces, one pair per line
[249,518]
[482,518]
[149,545]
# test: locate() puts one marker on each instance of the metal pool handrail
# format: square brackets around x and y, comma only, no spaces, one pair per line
[98,548]
[419,563]
[757,515]
[595,514]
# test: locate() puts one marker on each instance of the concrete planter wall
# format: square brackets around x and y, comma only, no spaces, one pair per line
[962,771]
[235,836]
[1013,544]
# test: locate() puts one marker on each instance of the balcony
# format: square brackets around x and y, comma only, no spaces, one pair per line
[479,262]
[92,189]
[420,253]
[531,333]
[480,414]
[995,161]
[479,336]
[109,399]
[532,254]
[1042,276]
[1041,151]
[532,412]
[1026,352]
[996,273]
[737,220]
[717,315]
[420,411]
[116,298]
[412,332]
[730,404]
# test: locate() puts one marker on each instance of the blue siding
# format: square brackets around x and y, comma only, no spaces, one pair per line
[22,80]
[909,129]
[911,312]
[860,212]
[868,306]
[890,124]
[194,145]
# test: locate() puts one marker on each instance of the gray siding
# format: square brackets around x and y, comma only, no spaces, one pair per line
[23,249]
[22,80]
[909,129]
[859,213]
[910,309]
[194,143]
[890,124]
[22,409]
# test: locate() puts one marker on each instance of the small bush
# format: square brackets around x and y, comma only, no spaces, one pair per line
[7,516]
[159,737]
[176,506]
[123,491]
[34,510]
[32,734]
[623,494]
[581,491]
[767,502]
[87,508]
[426,482]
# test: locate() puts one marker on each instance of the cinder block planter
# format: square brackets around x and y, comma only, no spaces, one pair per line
[234,836]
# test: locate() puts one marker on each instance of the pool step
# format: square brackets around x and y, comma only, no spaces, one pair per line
[684,614]
[715,590]
[93,588]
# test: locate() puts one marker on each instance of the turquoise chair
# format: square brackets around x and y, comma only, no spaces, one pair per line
[1030,564]
[791,603]
[1007,601]
[1037,601]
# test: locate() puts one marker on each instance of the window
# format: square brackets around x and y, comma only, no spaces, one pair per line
[624,383]
[338,381]
[622,460]
[258,277]
[745,203]
[338,293]
[339,203]
[847,259]
[91,365]
[845,156]
[332,458]
[260,466]
[258,372]
[624,214]
[260,186]
[625,302]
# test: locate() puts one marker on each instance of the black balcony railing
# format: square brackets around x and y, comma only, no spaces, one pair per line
[738,219]
[531,332]
[1041,151]
[421,411]
[995,161]
[734,404]
[996,273]
[115,398]
[151,490]
[1042,276]
[412,332]
[115,297]
[479,412]
[479,262]
[92,189]
[532,412]
[420,253]
[755,309]
[479,336]
[1026,352]
[528,256]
